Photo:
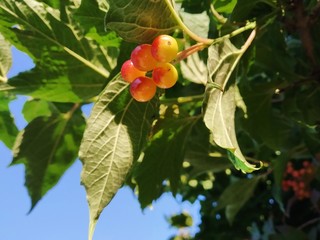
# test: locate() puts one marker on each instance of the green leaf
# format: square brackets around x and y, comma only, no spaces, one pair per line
[36,107]
[197,23]
[8,129]
[91,14]
[235,196]
[47,147]
[311,135]
[202,154]
[140,20]
[224,6]
[220,105]
[244,10]
[69,66]
[5,58]
[163,158]
[116,132]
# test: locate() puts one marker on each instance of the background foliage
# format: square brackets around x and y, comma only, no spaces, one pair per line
[192,139]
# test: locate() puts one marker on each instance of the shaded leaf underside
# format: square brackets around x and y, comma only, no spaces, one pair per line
[115,134]
[138,20]
[220,105]
[47,147]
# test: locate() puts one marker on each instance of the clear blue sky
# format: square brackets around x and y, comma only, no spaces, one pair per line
[63,213]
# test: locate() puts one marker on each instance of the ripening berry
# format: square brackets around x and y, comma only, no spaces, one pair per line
[164,48]
[295,174]
[130,72]
[306,163]
[165,75]
[143,89]
[142,58]
[285,186]
[289,169]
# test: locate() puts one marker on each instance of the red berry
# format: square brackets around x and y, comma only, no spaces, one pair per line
[164,48]
[302,172]
[289,168]
[285,186]
[306,163]
[143,89]
[295,174]
[129,72]
[142,59]
[165,75]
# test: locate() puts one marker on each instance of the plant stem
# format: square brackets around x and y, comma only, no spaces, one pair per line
[68,115]
[250,25]
[206,41]
[181,100]
[194,36]
[200,45]
[219,17]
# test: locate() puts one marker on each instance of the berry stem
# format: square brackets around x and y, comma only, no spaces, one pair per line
[189,51]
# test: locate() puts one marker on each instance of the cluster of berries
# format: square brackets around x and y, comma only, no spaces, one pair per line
[298,180]
[155,57]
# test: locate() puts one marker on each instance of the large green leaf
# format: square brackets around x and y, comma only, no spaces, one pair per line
[140,20]
[236,195]
[8,130]
[220,102]
[198,23]
[48,146]
[69,66]
[92,19]
[5,58]
[116,132]
[163,158]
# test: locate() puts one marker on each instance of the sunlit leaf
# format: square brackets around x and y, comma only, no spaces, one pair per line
[35,108]
[198,23]
[69,66]
[223,6]
[116,132]
[8,130]
[5,58]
